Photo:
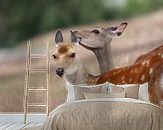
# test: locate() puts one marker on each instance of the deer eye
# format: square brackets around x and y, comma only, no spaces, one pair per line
[54,56]
[72,55]
[96,31]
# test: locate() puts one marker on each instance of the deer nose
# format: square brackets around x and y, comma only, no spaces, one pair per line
[60,71]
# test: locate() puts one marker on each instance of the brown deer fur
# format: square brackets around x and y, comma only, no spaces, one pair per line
[148,68]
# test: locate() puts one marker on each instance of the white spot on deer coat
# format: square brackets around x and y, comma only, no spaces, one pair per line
[142,77]
[122,78]
[162,56]
[144,63]
[147,63]
[151,71]
[123,81]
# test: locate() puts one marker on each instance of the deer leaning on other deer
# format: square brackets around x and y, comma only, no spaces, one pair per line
[98,40]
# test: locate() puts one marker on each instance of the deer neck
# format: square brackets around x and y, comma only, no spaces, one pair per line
[104,57]
[80,76]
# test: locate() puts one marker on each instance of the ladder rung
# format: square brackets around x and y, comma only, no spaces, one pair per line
[38,70]
[30,57]
[36,105]
[38,56]
[37,89]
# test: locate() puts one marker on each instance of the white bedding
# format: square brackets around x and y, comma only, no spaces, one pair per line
[104,114]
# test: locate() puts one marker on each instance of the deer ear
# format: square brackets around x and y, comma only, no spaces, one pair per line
[74,38]
[58,37]
[117,31]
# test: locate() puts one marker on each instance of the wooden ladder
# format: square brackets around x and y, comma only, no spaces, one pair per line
[27,88]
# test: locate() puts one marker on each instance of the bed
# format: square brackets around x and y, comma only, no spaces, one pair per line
[106,114]
[106,107]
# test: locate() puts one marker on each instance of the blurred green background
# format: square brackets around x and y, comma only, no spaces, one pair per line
[23,19]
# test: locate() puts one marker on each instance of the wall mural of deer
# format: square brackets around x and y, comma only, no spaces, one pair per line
[68,65]
[67,61]
[99,40]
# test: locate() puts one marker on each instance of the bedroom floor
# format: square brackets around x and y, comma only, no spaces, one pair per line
[15,121]
[17,126]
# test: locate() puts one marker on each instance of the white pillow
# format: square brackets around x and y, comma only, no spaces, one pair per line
[104,95]
[143,92]
[121,85]
[131,90]
[71,91]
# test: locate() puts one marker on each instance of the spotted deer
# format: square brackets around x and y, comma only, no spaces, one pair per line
[98,40]
[147,68]
[67,61]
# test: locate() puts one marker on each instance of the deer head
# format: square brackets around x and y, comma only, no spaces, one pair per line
[65,58]
[96,38]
